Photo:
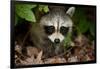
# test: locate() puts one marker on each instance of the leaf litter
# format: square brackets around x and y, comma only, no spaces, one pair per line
[81,50]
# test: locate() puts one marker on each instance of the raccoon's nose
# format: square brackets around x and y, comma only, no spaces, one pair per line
[57,41]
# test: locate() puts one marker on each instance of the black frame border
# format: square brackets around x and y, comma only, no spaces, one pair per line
[12,19]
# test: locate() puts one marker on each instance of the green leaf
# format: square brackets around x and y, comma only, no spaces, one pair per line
[26,6]
[83,25]
[24,11]
[16,20]
[92,29]
[67,40]
[43,8]
[30,6]
[46,9]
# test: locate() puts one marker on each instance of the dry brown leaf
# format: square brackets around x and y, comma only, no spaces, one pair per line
[38,59]
[81,40]
[73,59]
[32,51]
[55,60]
[18,48]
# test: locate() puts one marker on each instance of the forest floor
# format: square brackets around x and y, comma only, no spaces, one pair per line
[82,50]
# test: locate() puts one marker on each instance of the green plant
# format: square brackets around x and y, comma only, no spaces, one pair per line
[82,24]
[24,11]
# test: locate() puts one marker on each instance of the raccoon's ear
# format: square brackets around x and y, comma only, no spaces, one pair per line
[70,11]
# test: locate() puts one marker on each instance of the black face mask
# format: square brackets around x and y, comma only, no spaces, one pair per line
[49,29]
[64,30]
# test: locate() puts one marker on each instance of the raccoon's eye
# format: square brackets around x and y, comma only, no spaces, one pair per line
[49,29]
[64,30]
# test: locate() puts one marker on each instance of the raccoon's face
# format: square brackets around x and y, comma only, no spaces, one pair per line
[57,24]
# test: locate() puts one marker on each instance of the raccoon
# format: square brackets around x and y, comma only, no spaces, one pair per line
[48,35]
[51,31]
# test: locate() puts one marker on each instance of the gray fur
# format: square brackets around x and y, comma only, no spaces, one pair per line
[57,16]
